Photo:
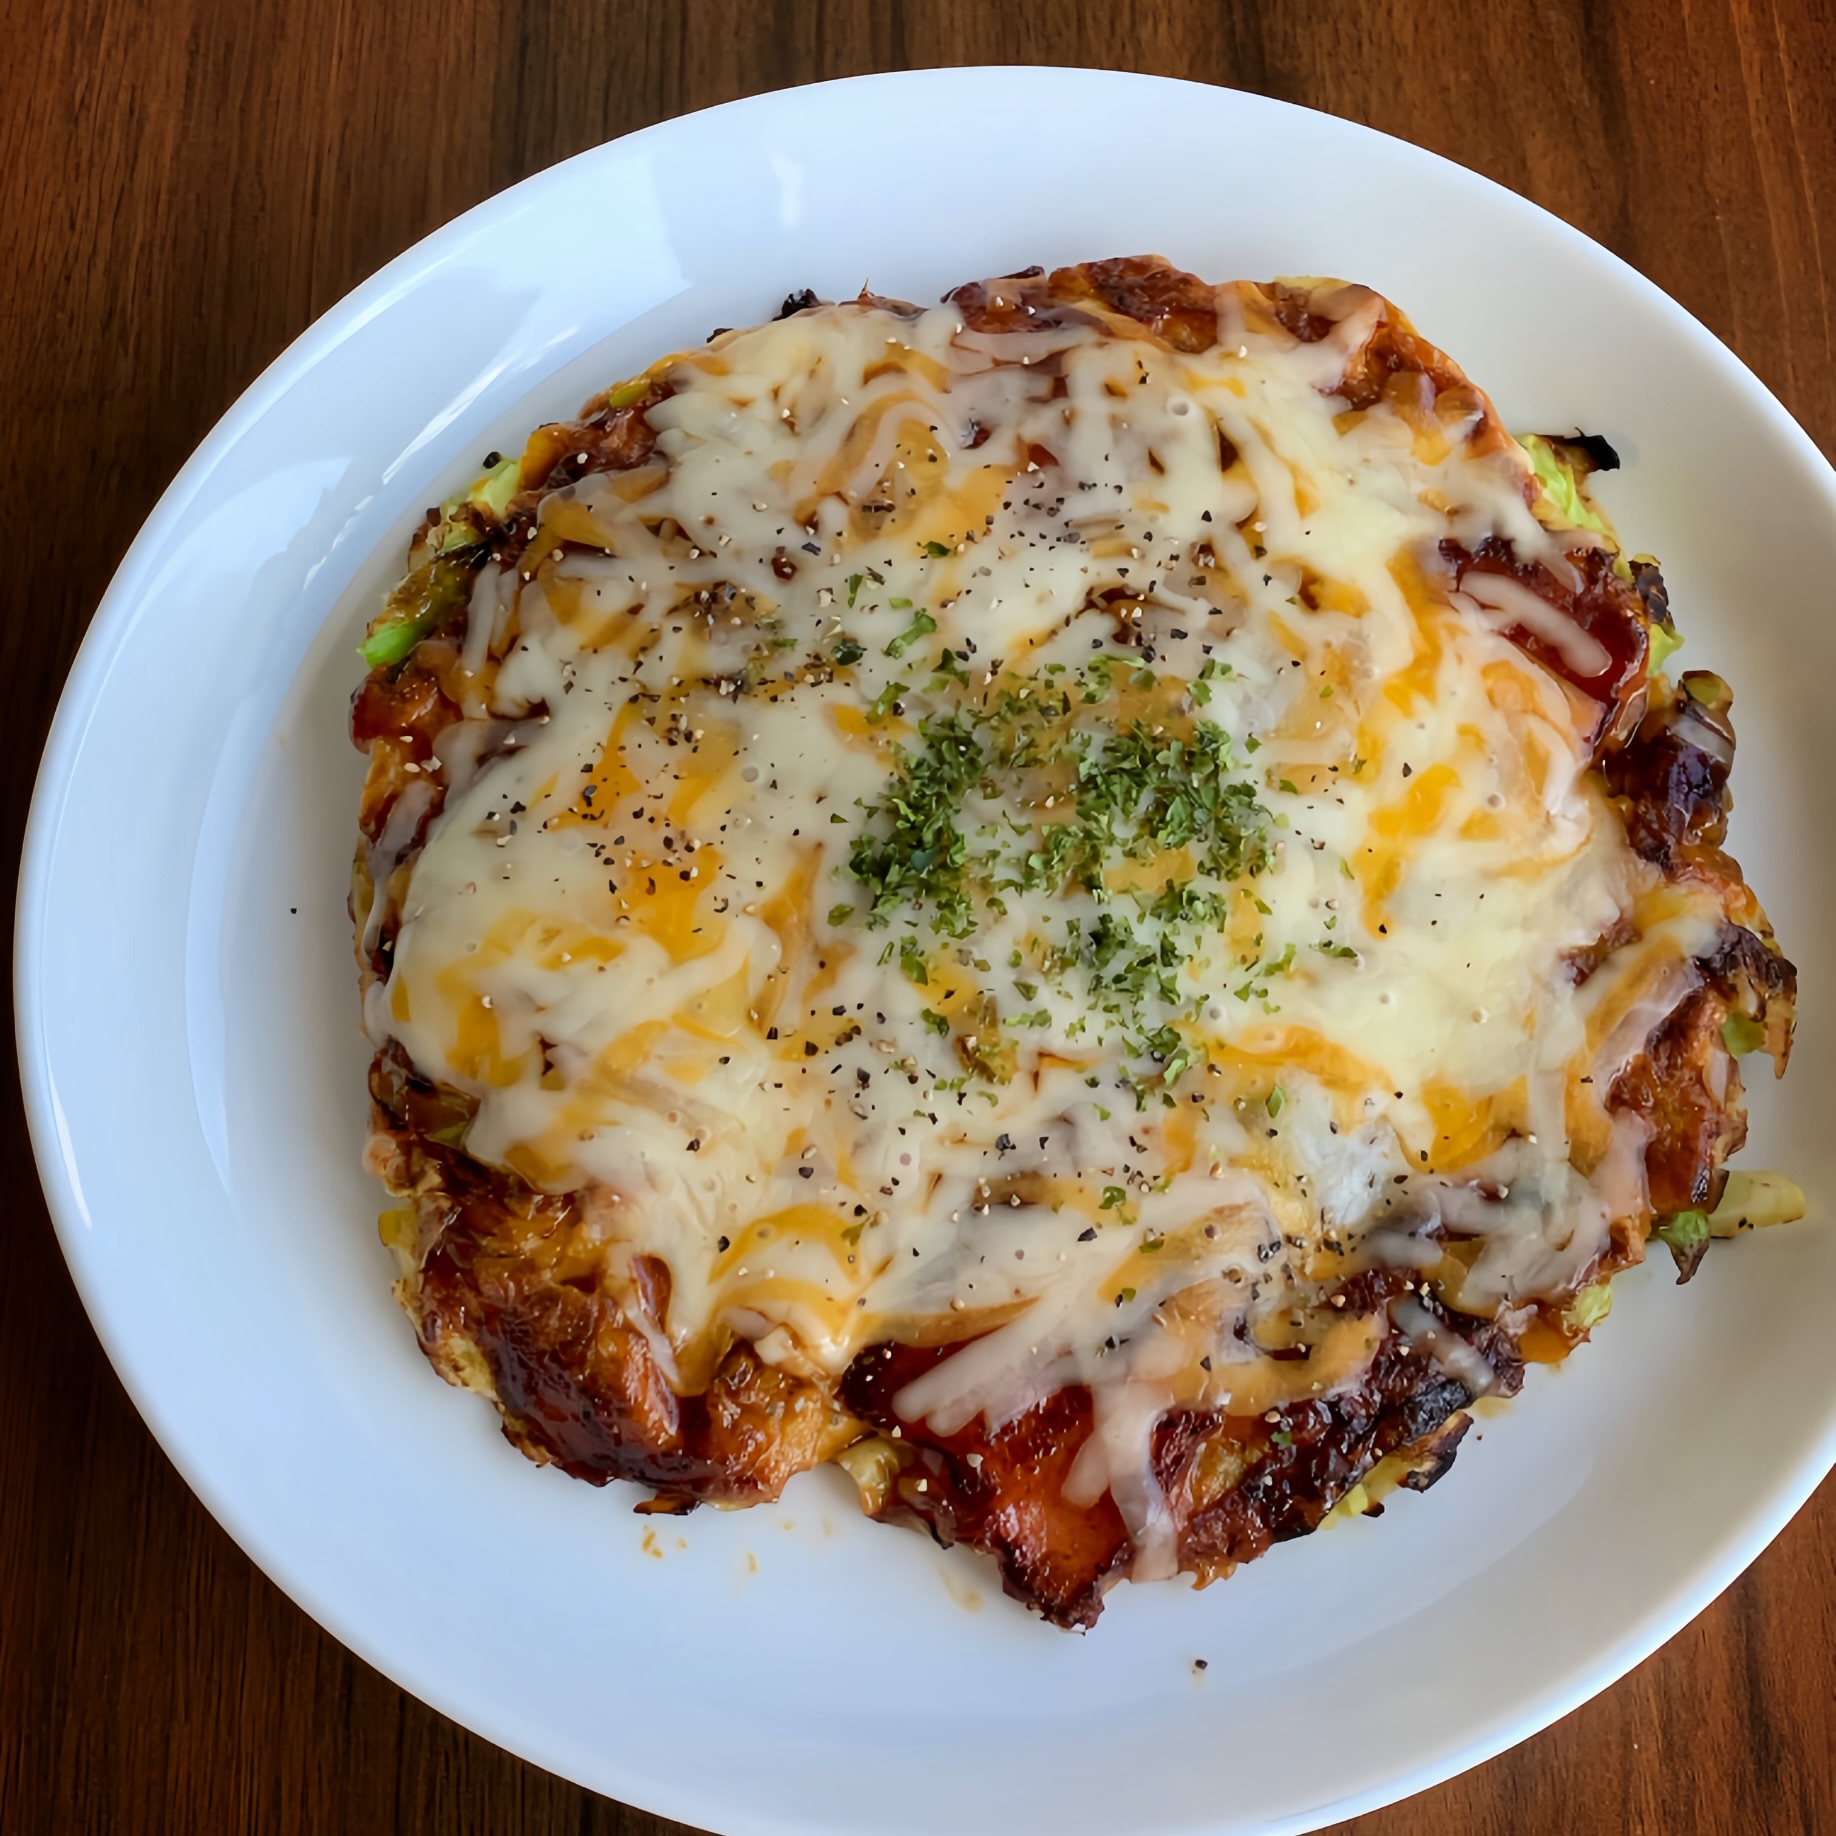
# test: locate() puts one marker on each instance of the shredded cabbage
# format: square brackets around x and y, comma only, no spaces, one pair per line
[1665,642]
[1687,1231]
[1560,484]
[1590,1307]
[413,610]
[1742,1034]
[495,489]
[390,643]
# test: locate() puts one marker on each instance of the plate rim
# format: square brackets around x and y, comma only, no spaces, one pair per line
[120,604]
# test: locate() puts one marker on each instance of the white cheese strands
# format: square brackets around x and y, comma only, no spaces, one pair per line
[1023,836]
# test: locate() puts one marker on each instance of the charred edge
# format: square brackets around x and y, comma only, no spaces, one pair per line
[1602,455]
[1433,1458]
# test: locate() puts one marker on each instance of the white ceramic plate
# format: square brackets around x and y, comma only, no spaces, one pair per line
[188,1027]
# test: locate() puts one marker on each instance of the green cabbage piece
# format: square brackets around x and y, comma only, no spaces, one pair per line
[490,492]
[1665,642]
[1590,1307]
[414,609]
[1560,483]
[1686,1232]
[390,643]
[495,489]
[1742,1034]
[1707,688]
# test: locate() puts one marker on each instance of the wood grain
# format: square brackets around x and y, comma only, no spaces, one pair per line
[186,186]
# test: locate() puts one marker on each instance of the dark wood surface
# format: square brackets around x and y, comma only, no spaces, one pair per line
[184,186]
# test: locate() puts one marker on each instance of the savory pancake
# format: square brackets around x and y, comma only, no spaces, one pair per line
[1092,902]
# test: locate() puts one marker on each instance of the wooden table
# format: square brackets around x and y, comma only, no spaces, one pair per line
[186,186]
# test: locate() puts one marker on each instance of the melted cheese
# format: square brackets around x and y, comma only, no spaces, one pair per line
[636,939]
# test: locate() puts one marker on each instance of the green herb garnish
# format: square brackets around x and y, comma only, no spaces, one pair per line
[921,626]
[919,859]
